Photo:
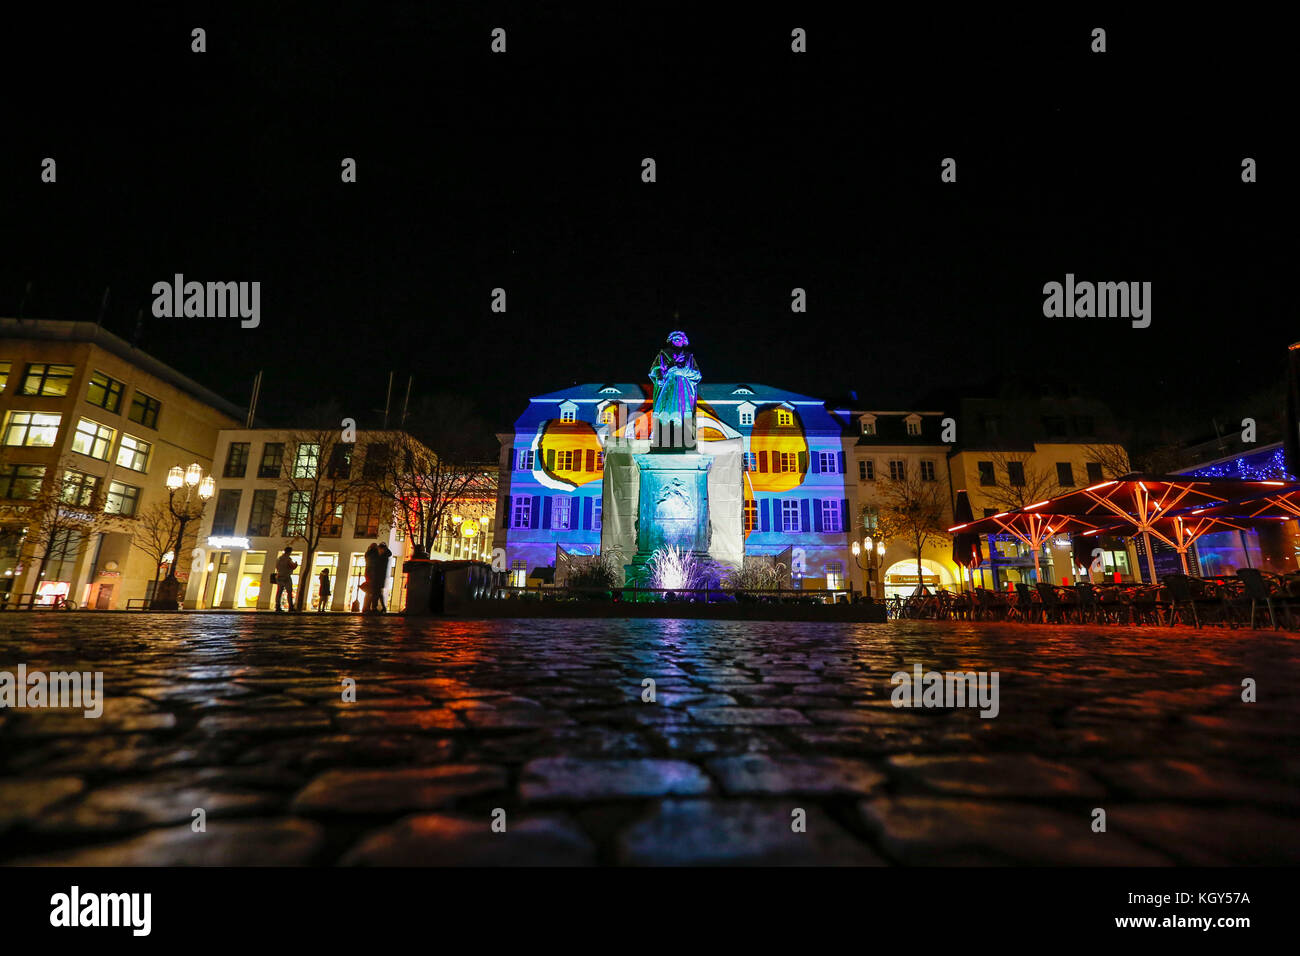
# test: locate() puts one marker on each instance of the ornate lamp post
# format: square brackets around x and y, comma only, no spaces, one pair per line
[185,508]
[874,553]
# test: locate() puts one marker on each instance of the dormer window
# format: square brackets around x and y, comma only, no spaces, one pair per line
[742,390]
[746,412]
[609,415]
[784,417]
[913,425]
[610,390]
[868,425]
[569,412]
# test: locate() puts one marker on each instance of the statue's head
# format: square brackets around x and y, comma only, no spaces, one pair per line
[678,340]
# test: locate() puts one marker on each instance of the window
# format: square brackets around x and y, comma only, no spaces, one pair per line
[992,425]
[226,511]
[787,461]
[831,515]
[332,526]
[78,489]
[565,461]
[33,429]
[1064,474]
[747,416]
[834,575]
[22,482]
[122,499]
[914,428]
[751,514]
[568,415]
[751,461]
[609,415]
[518,573]
[306,460]
[105,392]
[93,439]
[561,510]
[261,513]
[784,417]
[5,368]
[927,471]
[990,512]
[600,461]
[236,460]
[521,511]
[897,469]
[51,381]
[829,462]
[133,453]
[376,461]
[340,465]
[144,410]
[866,470]
[597,511]
[987,476]
[868,426]
[299,513]
[525,460]
[367,524]
[272,458]
[1016,474]
[1094,472]
[790,514]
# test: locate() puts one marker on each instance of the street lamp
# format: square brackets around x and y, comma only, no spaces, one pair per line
[874,553]
[188,491]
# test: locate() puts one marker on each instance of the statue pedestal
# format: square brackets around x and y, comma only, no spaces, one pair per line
[672,507]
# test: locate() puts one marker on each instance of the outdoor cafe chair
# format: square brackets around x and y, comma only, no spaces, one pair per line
[1181,600]
[1025,608]
[1054,609]
[1089,604]
[1257,592]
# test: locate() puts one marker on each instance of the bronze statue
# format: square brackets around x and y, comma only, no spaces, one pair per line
[676,380]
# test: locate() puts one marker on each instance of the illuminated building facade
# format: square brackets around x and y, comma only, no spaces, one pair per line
[83,407]
[789,500]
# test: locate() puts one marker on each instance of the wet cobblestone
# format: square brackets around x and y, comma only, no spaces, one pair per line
[542,725]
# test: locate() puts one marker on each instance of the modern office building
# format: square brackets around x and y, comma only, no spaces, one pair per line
[84,408]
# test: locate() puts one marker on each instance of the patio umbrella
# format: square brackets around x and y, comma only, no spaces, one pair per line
[966,551]
[1029,527]
[1291,444]
[1134,504]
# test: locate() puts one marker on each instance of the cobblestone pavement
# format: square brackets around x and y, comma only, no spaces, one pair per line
[243,716]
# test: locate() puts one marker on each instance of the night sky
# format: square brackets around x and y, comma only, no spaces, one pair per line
[775,170]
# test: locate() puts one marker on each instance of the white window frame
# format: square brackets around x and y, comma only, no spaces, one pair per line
[790,516]
[563,506]
[831,516]
[830,462]
[521,506]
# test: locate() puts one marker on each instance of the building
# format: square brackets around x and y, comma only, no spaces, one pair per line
[82,407]
[1013,452]
[895,456]
[786,499]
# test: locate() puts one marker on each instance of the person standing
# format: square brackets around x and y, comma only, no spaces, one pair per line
[324,590]
[284,568]
[370,585]
[381,578]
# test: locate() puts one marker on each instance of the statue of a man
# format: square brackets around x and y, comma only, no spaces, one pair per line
[676,380]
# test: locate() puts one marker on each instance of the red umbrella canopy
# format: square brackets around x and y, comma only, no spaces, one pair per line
[1280,503]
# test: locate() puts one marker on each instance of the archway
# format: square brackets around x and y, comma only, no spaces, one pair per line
[900,577]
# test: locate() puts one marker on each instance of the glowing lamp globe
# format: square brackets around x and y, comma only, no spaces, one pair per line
[193,474]
[207,488]
[175,477]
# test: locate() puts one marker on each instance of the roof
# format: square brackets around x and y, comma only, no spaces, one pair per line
[89,332]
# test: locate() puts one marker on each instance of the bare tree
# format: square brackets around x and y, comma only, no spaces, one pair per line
[914,510]
[1025,484]
[1113,459]
[318,484]
[427,470]
[59,516]
[153,531]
